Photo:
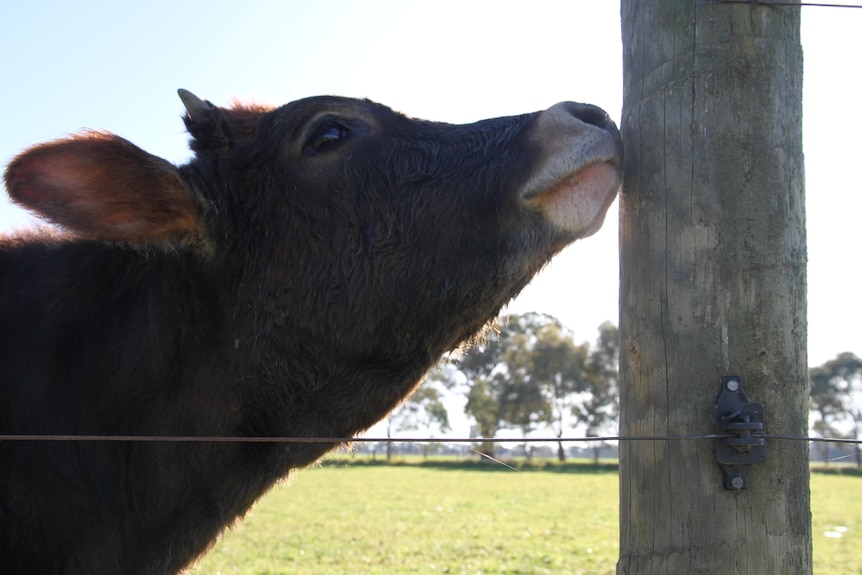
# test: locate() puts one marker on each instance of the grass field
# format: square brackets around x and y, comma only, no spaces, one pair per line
[836,523]
[376,519]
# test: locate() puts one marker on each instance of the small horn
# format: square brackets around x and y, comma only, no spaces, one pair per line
[194,105]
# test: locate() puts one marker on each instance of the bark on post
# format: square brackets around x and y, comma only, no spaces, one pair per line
[713,263]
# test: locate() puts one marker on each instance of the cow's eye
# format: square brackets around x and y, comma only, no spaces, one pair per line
[326,135]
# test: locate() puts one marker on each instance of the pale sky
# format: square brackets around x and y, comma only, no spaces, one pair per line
[116,66]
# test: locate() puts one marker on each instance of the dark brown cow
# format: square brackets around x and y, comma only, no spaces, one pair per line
[295,279]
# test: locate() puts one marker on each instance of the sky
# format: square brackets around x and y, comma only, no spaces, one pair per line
[116,66]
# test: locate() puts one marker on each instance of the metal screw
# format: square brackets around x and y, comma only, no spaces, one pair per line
[732,385]
[737,482]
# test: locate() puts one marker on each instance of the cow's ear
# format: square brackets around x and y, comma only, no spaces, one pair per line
[103,187]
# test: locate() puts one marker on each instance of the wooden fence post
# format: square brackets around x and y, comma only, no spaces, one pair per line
[713,283]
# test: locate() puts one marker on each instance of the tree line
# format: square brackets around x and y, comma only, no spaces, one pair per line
[526,374]
[836,401]
[530,374]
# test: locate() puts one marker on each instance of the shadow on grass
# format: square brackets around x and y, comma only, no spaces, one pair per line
[474,464]
[837,470]
[505,465]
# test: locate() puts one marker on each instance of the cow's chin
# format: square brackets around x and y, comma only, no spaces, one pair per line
[578,203]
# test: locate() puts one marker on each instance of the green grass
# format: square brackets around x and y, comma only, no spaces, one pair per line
[447,517]
[836,508]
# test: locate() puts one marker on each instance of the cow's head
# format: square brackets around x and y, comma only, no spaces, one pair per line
[389,225]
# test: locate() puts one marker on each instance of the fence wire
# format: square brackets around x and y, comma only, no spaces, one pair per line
[221,439]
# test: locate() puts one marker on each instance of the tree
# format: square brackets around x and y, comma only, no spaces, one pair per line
[502,393]
[483,401]
[559,369]
[483,405]
[836,396]
[713,264]
[827,403]
[522,401]
[424,409]
[530,373]
[602,375]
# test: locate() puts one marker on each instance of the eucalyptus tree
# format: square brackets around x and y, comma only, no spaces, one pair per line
[836,397]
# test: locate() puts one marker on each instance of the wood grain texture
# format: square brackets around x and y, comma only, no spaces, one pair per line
[713,282]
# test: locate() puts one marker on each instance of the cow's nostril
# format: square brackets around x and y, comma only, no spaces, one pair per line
[590,114]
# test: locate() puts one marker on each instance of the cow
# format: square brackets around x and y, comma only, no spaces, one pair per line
[295,279]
